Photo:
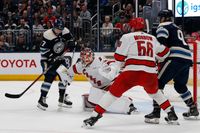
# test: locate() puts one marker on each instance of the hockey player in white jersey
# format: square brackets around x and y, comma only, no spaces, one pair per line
[138,50]
[92,66]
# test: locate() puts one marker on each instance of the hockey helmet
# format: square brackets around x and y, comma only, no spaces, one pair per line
[59,24]
[86,56]
[165,13]
[137,23]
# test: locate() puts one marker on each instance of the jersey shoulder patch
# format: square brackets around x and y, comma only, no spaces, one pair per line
[49,35]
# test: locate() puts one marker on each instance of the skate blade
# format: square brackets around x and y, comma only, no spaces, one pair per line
[133,112]
[64,105]
[171,122]
[192,118]
[86,126]
[41,107]
[152,121]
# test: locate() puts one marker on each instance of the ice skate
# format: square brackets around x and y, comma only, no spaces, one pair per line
[192,114]
[153,117]
[132,110]
[172,118]
[64,102]
[87,123]
[42,103]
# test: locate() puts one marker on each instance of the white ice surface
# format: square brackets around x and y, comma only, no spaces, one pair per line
[22,116]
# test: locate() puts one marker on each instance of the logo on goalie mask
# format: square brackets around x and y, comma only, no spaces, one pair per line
[87,56]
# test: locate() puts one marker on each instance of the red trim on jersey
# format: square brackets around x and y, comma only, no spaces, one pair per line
[164,52]
[99,109]
[75,70]
[165,105]
[119,57]
[108,62]
[140,62]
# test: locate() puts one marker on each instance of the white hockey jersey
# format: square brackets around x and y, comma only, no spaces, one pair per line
[92,71]
[139,51]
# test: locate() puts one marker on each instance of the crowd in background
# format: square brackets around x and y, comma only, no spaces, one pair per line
[16,20]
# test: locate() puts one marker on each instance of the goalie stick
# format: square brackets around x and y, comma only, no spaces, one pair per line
[20,94]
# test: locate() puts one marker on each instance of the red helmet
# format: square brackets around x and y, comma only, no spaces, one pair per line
[137,23]
[87,56]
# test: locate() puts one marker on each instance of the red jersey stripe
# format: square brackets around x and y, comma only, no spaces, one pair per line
[108,62]
[119,57]
[164,52]
[75,70]
[140,62]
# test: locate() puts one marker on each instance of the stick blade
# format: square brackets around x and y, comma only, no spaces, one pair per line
[12,95]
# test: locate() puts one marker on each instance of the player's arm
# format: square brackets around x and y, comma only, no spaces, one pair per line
[162,35]
[162,52]
[122,50]
[45,50]
[69,39]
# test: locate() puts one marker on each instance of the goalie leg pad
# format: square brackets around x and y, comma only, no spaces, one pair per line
[87,105]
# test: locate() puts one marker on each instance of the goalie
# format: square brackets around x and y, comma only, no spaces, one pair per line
[93,68]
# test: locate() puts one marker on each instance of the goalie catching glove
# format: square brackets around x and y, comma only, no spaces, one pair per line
[109,71]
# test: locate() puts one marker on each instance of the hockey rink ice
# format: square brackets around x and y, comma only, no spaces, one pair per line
[22,116]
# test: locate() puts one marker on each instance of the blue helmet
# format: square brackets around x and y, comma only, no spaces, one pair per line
[59,24]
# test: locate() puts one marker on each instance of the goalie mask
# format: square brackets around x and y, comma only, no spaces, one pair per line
[86,56]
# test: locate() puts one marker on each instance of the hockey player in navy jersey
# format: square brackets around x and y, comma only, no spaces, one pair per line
[176,66]
[54,44]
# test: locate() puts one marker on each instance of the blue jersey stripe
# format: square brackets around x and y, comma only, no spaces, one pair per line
[180,52]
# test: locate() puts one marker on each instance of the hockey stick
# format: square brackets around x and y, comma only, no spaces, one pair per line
[19,95]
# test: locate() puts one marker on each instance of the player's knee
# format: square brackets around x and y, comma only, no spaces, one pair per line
[49,78]
[180,88]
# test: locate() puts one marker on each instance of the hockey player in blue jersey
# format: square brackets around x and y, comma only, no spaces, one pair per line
[176,66]
[54,44]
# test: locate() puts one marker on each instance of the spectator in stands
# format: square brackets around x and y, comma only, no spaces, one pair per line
[85,14]
[148,3]
[48,25]
[107,40]
[9,35]
[129,12]
[42,13]
[107,27]
[23,24]
[77,24]
[117,18]
[196,36]
[21,45]
[25,15]
[37,35]
[4,46]
[80,4]
[123,24]
[49,17]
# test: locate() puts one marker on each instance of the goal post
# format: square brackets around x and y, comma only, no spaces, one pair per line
[194,48]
